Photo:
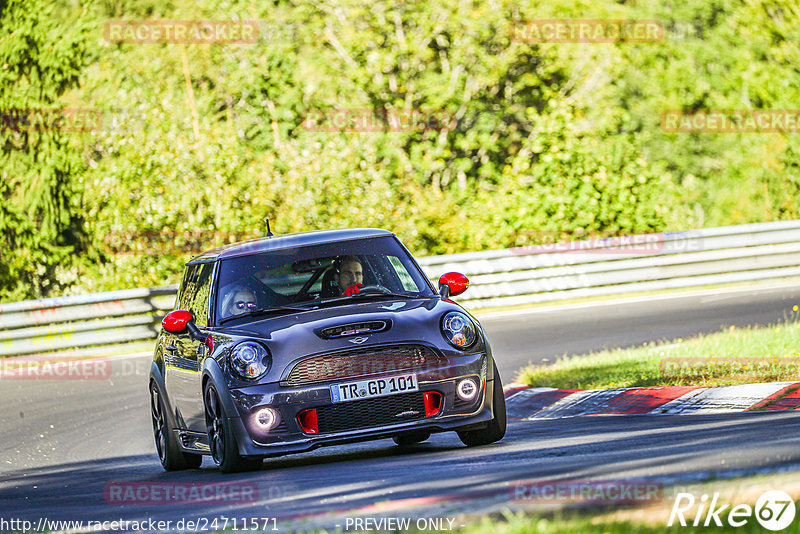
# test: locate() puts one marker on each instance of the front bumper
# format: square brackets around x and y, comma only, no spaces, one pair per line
[287,435]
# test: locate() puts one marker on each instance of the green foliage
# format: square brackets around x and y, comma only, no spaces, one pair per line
[565,183]
[40,213]
[547,141]
[719,55]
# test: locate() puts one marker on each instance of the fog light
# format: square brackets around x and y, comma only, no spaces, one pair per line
[266,419]
[467,389]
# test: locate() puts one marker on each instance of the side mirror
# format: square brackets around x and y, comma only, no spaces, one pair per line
[452,284]
[180,321]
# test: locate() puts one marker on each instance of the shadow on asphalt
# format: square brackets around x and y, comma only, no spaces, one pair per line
[665,448]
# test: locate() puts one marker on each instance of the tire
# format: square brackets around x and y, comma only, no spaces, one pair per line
[411,438]
[171,456]
[221,439]
[496,428]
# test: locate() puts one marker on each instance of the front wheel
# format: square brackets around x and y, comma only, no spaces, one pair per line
[169,453]
[221,439]
[496,428]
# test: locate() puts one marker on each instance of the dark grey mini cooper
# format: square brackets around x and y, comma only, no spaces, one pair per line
[287,343]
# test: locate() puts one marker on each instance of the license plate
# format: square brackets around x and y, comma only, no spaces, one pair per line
[375,387]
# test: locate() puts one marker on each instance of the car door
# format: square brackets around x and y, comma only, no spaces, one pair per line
[174,347]
[185,363]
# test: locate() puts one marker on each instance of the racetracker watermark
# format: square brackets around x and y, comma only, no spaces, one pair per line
[774,510]
[52,120]
[165,240]
[587,31]
[181,31]
[377,120]
[658,243]
[710,364]
[731,121]
[587,491]
[137,493]
[49,368]
[184,524]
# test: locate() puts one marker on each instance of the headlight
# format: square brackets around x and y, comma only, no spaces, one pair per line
[250,360]
[458,330]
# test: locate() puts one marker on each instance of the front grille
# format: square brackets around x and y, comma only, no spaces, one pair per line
[382,411]
[363,362]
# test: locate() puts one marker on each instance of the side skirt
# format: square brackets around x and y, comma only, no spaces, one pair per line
[196,442]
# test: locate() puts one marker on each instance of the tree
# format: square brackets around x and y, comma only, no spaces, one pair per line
[41,56]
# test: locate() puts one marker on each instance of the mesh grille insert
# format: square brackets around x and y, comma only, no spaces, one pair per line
[363,362]
[382,411]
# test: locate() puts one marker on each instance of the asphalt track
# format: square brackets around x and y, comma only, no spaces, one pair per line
[66,444]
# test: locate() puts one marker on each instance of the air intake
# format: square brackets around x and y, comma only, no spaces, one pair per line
[353,329]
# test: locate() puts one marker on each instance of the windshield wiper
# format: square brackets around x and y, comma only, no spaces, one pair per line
[267,311]
[386,294]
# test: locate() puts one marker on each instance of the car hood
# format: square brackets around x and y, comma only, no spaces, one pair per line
[296,335]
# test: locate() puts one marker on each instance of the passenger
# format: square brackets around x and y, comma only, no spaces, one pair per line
[240,300]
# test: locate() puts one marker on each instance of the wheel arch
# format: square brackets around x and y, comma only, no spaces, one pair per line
[213,373]
[157,379]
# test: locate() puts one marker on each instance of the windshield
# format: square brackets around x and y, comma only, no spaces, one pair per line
[316,275]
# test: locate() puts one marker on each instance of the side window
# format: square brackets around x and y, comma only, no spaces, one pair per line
[195,291]
[187,288]
[202,288]
[402,273]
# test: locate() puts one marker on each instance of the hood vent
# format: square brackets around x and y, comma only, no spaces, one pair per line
[354,329]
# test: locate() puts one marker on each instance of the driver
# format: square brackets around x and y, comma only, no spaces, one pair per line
[349,274]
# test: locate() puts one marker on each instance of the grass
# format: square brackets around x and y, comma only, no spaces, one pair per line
[732,356]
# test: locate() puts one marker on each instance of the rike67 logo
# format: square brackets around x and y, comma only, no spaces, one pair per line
[774,510]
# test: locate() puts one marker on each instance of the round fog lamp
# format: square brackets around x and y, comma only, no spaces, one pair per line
[266,418]
[467,389]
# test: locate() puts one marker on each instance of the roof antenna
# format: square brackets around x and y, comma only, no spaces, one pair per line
[269,232]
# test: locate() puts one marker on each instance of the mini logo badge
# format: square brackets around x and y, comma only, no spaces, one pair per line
[358,340]
[407,413]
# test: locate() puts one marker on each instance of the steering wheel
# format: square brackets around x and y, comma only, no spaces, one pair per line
[376,287]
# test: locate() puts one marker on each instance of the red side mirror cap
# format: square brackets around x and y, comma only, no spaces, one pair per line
[456,283]
[175,322]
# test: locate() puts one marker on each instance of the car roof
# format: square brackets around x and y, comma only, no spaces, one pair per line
[284,241]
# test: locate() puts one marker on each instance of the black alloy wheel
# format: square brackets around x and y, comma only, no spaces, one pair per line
[221,440]
[496,428]
[169,453]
